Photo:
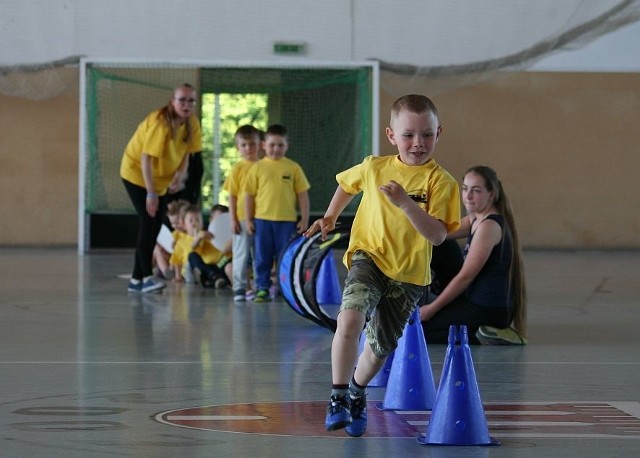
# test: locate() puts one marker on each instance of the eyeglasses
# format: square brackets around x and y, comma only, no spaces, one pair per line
[190,101]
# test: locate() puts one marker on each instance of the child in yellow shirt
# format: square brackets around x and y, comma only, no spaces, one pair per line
[248,143]
[409,204]
[273,187]
[164,245]
[194,249]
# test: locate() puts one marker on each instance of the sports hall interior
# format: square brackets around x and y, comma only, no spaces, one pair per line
[88,370]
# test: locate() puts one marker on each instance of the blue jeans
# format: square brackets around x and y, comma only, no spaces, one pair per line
[270,239]
[210,272]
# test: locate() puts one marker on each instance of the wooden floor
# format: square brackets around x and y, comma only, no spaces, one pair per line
[88,370]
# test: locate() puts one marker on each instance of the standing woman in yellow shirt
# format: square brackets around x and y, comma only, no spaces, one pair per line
[155,162]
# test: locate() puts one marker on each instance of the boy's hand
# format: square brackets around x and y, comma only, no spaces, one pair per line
[395,193]
[251,228]
[235,226]
[324,225]
[302,226]
[427,312]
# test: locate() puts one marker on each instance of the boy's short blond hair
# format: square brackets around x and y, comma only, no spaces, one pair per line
[413,103]
[247,131]
[277,129]
[175,207]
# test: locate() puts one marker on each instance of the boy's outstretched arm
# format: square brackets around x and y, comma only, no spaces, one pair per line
[429,227]
[327,223]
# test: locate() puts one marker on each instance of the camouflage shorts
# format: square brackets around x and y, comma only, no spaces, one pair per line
[387,303]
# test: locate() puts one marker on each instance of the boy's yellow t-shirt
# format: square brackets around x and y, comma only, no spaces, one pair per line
[153,137]
[276,185]
[234,185]
[382,230]
[182,248]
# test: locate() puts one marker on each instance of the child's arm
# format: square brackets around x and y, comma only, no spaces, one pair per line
[463,231]
[233,212]
[429,227]
[303,203]
[199,237]
[250,211]
[328,222]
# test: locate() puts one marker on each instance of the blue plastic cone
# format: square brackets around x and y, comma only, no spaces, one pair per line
[381,378]
[458,416]
[328,289]
[410,385]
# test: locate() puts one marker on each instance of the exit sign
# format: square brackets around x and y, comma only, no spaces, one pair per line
[289,48]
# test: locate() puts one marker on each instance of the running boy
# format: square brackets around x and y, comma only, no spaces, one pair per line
[409,203]
[248,144]
[273,186]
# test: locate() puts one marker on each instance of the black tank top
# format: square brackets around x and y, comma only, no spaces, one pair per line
[490,288]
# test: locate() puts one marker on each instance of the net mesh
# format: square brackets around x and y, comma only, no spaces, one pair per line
[450,43]
[328,112]
[521,34]
[447,44]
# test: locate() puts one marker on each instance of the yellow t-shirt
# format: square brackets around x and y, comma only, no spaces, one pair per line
[382,230]
[182,248]
[234,185]
[178,259]
[153,137]
[276,185]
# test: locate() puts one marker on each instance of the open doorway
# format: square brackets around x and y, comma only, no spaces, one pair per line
[221,115]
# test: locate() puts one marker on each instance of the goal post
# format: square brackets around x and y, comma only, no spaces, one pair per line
[329,108]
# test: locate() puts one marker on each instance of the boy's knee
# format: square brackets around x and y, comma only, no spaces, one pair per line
[350,322]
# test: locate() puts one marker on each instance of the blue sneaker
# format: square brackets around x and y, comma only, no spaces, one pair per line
[134,287]
[338,415]
[358,408]
[151,285]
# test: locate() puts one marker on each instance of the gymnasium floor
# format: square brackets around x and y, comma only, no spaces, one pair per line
[87,370]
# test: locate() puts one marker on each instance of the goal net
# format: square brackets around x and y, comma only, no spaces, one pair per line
[328,110]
